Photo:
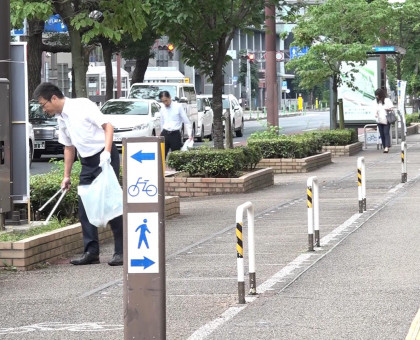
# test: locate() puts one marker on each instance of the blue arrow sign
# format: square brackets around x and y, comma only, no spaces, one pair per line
[147,156]
[146,262]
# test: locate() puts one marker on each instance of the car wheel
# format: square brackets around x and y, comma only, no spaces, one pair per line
[37,154]
[200,138]
[240,132]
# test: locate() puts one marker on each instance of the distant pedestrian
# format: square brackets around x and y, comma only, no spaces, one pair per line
[380,106]
[172,116]
[82,126]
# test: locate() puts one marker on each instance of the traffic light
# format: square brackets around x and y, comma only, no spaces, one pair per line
[170,50]
[251,57]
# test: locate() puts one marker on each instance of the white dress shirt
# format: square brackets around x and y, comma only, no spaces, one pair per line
[172,117]
[80,125]
[379,110]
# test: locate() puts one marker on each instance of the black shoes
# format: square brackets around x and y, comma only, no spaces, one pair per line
[87,258]
[117,260]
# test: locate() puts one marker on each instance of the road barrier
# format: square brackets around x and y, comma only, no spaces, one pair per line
[361,183]
[403,162]
[249,207]
[313,212]
[371,136]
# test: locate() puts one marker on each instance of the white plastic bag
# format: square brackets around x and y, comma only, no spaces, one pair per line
[103,198]
[189,143]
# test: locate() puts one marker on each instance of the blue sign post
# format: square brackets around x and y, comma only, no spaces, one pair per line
[144,238]
[296,52]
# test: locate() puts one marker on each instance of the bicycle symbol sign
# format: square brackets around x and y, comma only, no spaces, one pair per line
[142,186]
[142,172]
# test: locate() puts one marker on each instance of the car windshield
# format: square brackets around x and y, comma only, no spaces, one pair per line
[151,91]
[125,108]
[225,102]
[36,114]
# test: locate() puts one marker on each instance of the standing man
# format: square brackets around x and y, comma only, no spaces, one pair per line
[172,115]
[82,126]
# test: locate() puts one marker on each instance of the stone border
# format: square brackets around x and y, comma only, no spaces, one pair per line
[343,150]
[34,251]
[197,186]
[413,129]
[296,165]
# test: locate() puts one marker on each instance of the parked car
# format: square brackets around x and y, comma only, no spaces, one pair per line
[205,118]
[230,102]
[45,132]
[183,93]
[132,118]
[31,141]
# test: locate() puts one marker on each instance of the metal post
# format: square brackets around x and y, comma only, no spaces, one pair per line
[313,212]
[361,182]
[403,162]
[144,275]
[239,250]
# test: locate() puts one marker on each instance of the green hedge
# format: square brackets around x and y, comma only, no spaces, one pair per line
[209,162]
[296,146]
[299,146]
[336,137]
[412,118]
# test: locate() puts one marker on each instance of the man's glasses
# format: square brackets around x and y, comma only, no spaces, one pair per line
[43,104]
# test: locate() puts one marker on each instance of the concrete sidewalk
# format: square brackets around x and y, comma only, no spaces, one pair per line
[362,282]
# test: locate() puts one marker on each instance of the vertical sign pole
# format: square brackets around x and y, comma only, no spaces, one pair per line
[144,239]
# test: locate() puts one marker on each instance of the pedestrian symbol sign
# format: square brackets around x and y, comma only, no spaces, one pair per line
[143,242]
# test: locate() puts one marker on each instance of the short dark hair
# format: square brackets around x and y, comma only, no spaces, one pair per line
[47,90]
[164,94]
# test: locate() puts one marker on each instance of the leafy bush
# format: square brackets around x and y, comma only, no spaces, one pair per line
[208,162]
[412,118]
[296,146]
[44,186]
[336,137]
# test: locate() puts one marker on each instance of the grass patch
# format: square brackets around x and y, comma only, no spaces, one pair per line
[14,235]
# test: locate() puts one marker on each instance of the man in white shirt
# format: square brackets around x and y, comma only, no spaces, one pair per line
[172,115]
[82,126]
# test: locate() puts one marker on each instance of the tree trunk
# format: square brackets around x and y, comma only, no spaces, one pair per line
[35,28]
[67,12]
[334,103]
[217,106]
[107,51]
[140,70]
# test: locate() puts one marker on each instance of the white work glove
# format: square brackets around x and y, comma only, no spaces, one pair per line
[105,156]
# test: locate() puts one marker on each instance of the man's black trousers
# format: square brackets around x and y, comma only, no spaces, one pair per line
[90,170]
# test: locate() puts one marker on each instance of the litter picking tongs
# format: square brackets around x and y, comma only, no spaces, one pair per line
[63,192]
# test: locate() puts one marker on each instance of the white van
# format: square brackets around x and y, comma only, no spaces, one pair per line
[183,93]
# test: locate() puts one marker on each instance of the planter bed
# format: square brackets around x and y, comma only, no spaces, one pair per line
[343,150]
[36,250]
[198,186]
[295,165]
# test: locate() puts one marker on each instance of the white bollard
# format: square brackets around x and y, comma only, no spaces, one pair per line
[403,162]
[240,250]
[313,212]
[361,182]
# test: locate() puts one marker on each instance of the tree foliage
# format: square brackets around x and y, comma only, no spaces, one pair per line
[336,31]
[202,31]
